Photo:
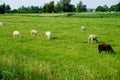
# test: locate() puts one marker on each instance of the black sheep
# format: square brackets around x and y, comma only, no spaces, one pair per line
[105,47]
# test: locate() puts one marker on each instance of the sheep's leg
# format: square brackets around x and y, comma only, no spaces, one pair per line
[48,37]
[14,37]
[88,40]
[92,41]
[19,36]
[105,51]
[108,51]
[100,51]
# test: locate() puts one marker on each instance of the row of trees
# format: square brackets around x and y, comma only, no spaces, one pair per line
[105,8]
[61,6]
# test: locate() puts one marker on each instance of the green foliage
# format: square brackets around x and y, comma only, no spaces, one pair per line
[112,8]
[67,55]
[65,5]
[29,9]
[58,7]
[118,7]
[81,7]
[51,7]
[106,9]
[100,9]
[48,8]
[4,8]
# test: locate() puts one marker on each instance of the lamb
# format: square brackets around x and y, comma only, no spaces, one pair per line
[105,47]
[1,24]
[16,34]
[34,32]
[92,38]
[48,34]
[82,28]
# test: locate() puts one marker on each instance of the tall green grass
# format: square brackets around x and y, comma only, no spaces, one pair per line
[94,15]
[75,15]
[66,56]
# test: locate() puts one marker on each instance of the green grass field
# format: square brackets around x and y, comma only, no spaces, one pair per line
[67,55]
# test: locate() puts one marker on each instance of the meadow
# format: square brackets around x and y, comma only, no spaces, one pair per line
[67,55]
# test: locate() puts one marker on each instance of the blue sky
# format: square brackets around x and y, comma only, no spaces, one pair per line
[90,3]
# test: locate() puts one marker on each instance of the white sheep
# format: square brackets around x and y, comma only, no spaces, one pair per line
[82,28]
[16,34]
[34,32]
[92,38]
[48,34]
[1,24]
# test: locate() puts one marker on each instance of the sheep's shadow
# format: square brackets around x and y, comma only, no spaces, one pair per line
[85,42]
[100,42]
[54,38]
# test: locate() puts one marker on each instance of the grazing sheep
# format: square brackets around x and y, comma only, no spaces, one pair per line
[82,28]
[16,34]
[105,47]
[1,24]
[92,38]
[48,34]
[34,32]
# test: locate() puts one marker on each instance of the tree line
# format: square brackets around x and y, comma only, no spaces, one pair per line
[61,6]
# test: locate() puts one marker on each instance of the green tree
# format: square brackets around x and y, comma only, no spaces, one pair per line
[100,9]
[51,7]
[84,8]
[81,7]
[112,8]
[48,7]
[117,8]
[65,5]
[34,9]
[45,7]
[4,8]
[106,8]
[71,8]
[22,8]
[7,7]
[40,9]
[29,9]
[58,7]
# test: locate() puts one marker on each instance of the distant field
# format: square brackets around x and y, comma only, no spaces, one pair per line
[67,55]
